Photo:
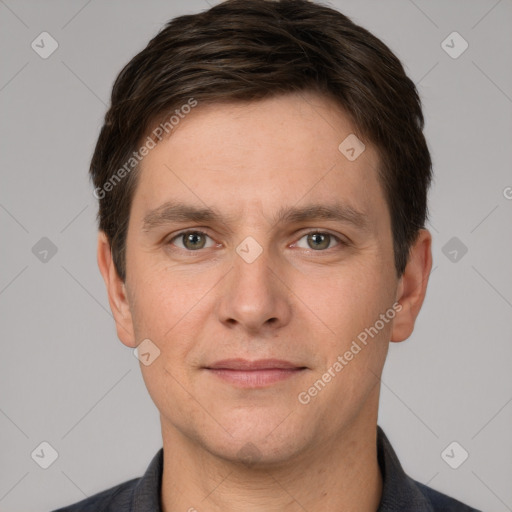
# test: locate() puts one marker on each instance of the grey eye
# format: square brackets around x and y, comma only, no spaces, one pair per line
[317,241]
[191,240]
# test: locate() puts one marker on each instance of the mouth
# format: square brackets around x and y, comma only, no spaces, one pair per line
[254,374]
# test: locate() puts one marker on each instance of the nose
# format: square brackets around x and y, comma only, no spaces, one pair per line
[254,295]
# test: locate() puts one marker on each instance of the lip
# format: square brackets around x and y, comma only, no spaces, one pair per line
[260,364]
[254,374]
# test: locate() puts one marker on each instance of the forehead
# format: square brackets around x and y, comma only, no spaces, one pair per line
[272,152]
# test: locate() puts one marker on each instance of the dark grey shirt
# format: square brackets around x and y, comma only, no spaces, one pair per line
[399,493]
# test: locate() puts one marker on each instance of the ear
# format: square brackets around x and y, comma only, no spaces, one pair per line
[413,286]
[116,290]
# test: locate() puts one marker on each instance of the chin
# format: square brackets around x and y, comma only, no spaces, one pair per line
[260,443]
[256,454]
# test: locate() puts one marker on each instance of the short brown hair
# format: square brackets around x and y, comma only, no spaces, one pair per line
[244,50]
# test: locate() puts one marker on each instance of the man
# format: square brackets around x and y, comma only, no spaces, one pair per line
[262,179]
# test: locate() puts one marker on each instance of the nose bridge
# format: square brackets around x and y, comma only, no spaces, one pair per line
[252,295]
[251,265]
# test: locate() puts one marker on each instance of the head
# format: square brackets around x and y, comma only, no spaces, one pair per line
[262,179]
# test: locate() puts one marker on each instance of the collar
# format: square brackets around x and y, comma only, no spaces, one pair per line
[399,491]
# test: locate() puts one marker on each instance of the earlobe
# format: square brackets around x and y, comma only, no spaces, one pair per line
[116,291]
[413,286]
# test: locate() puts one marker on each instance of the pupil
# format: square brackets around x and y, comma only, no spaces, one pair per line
[194,240]
[319,240]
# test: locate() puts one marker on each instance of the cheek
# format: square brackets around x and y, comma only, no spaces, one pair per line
[356,347]
[167,311]
[163,295]
[172,309]
[348,300]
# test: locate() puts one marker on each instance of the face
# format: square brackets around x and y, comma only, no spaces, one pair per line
[251,238]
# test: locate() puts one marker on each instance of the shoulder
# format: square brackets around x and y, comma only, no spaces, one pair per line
[402,493]
[143,492]
[111,500]
[441,502]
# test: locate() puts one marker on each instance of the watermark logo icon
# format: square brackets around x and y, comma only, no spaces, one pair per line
[44,250]
[454,249]
[44,45]
[454,455]
[146,352]
[44,455]
[454,45]
[249,250]
[249,454]
[351,147]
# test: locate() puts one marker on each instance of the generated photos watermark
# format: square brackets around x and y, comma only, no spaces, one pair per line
[305,397]
[150,143]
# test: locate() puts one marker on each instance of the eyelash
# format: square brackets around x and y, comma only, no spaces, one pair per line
[341,242]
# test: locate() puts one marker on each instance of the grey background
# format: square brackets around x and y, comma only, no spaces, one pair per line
[67,380]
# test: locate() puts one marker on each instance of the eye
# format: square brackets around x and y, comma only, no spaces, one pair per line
[191,240]
[318,241]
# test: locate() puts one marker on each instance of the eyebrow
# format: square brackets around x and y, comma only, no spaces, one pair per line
[179,212]
[337,211]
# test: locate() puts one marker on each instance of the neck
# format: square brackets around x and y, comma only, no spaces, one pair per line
[342,474]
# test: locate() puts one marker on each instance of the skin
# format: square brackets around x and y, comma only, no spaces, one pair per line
[293,302]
